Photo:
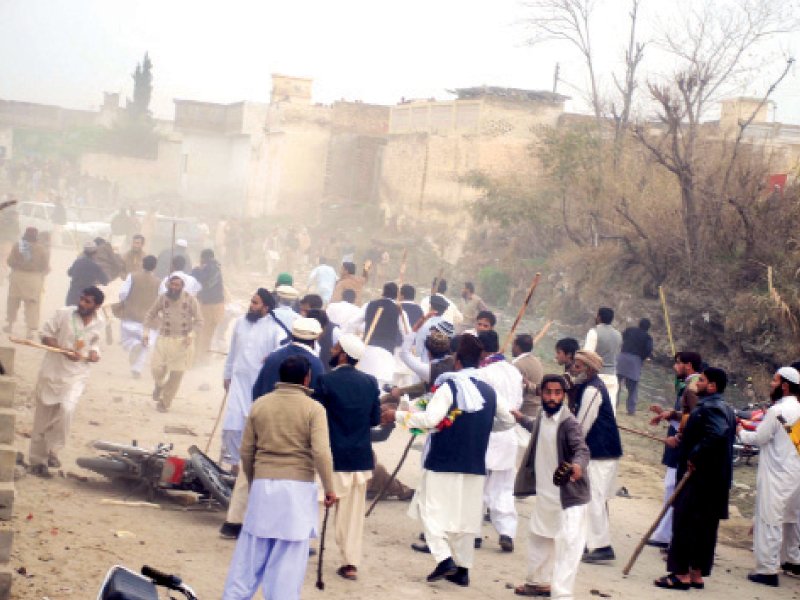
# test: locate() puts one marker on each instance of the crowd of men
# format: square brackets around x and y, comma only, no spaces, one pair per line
[311,380]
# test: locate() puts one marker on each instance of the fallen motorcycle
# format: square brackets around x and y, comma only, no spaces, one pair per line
[157,469]
[123,584]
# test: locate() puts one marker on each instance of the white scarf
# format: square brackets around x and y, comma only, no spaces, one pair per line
[468,396]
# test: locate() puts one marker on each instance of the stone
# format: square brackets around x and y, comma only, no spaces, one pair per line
[7,421]
[8,391]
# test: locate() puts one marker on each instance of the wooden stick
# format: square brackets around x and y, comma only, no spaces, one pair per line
[666,318]
[129,503]
[320,583]
[372,325]
[542,333]
[172,247]
[216,423]
[661,514]
[401,312]
[38,346]
[521,312]
[392,477]
[641,433]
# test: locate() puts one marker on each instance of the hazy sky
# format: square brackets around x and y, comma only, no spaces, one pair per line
[68,52]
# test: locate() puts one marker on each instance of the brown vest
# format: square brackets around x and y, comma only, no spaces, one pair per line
[143,294]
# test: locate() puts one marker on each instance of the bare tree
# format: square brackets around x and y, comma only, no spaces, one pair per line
[627,87]
[712,48]
[566,21]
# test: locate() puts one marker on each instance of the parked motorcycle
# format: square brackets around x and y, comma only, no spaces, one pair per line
[123,584]
[157,469]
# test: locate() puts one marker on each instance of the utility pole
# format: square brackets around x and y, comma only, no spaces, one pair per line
[555,78]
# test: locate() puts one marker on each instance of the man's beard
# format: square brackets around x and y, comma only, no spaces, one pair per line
[254,315]
[703,394]
[85,312]
[333,361]
[173,295]
[776,394]
[580,378]
[552,410]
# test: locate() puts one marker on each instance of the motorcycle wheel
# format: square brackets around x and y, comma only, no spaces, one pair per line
[211,476]
[107,466]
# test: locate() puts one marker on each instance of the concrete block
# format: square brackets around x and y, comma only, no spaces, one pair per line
[6,501]
[8,392]
[7,359]
[7,432]
[6,539]
[5,583]
[8,459]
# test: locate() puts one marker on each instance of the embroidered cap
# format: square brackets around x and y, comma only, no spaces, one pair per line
[287,292]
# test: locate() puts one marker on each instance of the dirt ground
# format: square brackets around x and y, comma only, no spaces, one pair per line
[65,539]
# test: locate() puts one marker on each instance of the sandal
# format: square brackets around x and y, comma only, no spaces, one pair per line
[528,589]
[697,585]
[671,582]
[348,572]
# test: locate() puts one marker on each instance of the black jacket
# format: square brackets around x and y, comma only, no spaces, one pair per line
[638,342]
[84,273]
[707,441]
[350,398]
[209,276]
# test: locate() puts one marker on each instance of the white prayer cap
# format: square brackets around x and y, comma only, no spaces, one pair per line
[352,345]
[287,292]
[182,243]
[790,374]
[304,328]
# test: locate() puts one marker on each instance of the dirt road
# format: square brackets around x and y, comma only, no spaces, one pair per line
[65,539]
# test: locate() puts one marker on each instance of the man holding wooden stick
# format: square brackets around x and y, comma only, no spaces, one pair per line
[62,376]
[382,321]
[706,451]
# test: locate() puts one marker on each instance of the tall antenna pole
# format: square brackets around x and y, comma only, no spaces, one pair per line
[555,78]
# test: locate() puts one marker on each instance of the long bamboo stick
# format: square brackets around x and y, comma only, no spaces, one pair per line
[521,312]
[666,319]
[650,531]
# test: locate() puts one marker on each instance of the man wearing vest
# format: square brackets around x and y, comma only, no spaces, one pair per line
[604,339]
[138,293]
[378,358]
[595,414]
[459,417]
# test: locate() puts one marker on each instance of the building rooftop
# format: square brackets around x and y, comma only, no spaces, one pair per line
[510,93]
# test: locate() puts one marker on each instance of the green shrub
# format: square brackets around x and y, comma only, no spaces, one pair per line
[494,285]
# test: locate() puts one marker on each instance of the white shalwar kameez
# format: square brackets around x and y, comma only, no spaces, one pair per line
[272,549]
[61,381]
[251,343]
[376,361]
[501,455]
[602,476]
[557,535]
[449,504]
[131,334]
[775,524]
[322,280]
